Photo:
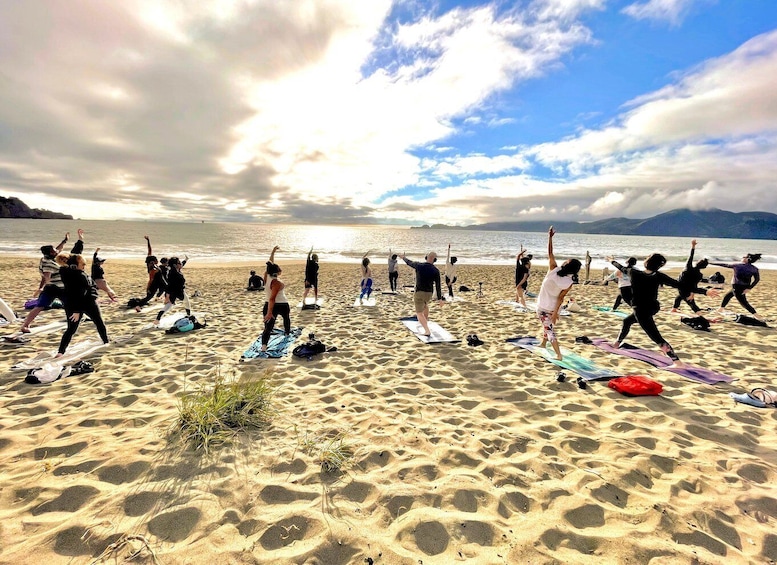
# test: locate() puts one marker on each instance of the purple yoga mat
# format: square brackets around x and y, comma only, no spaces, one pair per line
[657,359]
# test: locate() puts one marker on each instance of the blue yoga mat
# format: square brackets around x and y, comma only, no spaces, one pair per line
[278,346]
[583,366]
[661,361]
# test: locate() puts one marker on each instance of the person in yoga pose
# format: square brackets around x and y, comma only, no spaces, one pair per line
[450,271]
[624,285]
[366,282]
[522,269]
[645,303]
[427,279]
[98,275]
[555,287]
[176,288]
[689,279]
[746,276]
[51,286]
[393,272]
[79,298]
[255,282]
[311,276]
[276,303]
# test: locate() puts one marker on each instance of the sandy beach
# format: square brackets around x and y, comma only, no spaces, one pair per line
[460,454]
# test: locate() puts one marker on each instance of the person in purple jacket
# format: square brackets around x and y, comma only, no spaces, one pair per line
[746,276]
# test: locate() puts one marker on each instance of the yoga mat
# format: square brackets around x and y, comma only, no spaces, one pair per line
[583,366]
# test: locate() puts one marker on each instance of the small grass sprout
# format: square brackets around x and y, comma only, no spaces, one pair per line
[335,454]
[215,416]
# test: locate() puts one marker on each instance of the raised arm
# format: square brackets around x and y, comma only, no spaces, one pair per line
[689,263]
[448,256]
[272,254]
[148,245]
[551,258]
[62,243]
[78,246]
[520,253]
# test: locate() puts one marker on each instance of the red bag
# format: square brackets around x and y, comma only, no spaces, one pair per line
[636,385]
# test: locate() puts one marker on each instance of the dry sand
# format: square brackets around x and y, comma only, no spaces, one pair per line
[461,454]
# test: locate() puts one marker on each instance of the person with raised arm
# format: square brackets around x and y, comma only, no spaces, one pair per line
[393,272]
[624,285]
[365,285]
[427,279]
[311,276]
[689,279]
[555,286]
[276,303]
[98,276]
[450,271]
[746,276]
[522,268]
[51,285]
[644,302]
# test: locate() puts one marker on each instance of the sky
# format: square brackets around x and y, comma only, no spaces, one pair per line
[381,112]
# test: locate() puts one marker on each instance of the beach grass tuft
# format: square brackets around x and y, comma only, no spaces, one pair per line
[214,416]
[333,454]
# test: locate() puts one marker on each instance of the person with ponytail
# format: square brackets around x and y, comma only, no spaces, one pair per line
[555,287]
[645,305]
[276,303]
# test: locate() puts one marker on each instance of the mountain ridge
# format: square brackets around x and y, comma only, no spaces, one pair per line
[681,222]
[12,207]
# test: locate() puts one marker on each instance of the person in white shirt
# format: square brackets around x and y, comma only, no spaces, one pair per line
[555,287]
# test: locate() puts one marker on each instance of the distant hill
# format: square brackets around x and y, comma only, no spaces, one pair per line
[15,208]
[681,223]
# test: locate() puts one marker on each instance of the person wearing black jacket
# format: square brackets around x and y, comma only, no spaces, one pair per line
[427,278]
[645,303]
[79,298]
[689,279]
[176,288]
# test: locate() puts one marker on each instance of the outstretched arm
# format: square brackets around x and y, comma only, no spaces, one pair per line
[689,263]
[272,254]
[148,245]
[448,257]
[63,242]
[520,253]
[551,258]
[78,246]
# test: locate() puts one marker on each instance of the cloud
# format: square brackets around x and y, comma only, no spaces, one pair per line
[672,11]
[159,105]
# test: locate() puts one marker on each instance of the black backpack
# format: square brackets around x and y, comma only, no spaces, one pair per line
[311,348]
[697,323]
[750,321]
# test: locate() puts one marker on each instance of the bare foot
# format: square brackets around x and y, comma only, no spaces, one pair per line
[58,355]
[24,330]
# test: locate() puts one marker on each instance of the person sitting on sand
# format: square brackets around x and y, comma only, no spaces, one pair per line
[98,276]
[311,276]
[427,279]
[555,287]
[51,286]
[79,298]
[393,272]
[276,303]
[717,278]
[450,271]
[255,282]
[689,279]
[746,276]
[365,285]
[645,305]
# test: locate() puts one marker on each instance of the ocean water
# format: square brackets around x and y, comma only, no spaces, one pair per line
[230,242]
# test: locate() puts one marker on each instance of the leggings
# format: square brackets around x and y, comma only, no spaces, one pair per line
[93,311]
[280,309]
[738,290]
[688,300]
[366,288]
[625,294]
[393,276]
[449,283]
[644,317]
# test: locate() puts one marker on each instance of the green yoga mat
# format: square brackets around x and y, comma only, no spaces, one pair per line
[583,366]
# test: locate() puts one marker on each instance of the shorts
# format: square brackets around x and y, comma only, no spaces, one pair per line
[311,284]
[421,299]
[49,294]
[449,282]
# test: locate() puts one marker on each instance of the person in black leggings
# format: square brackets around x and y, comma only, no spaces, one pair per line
[689,279]
[624,286]
[79,299]
[645,305]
